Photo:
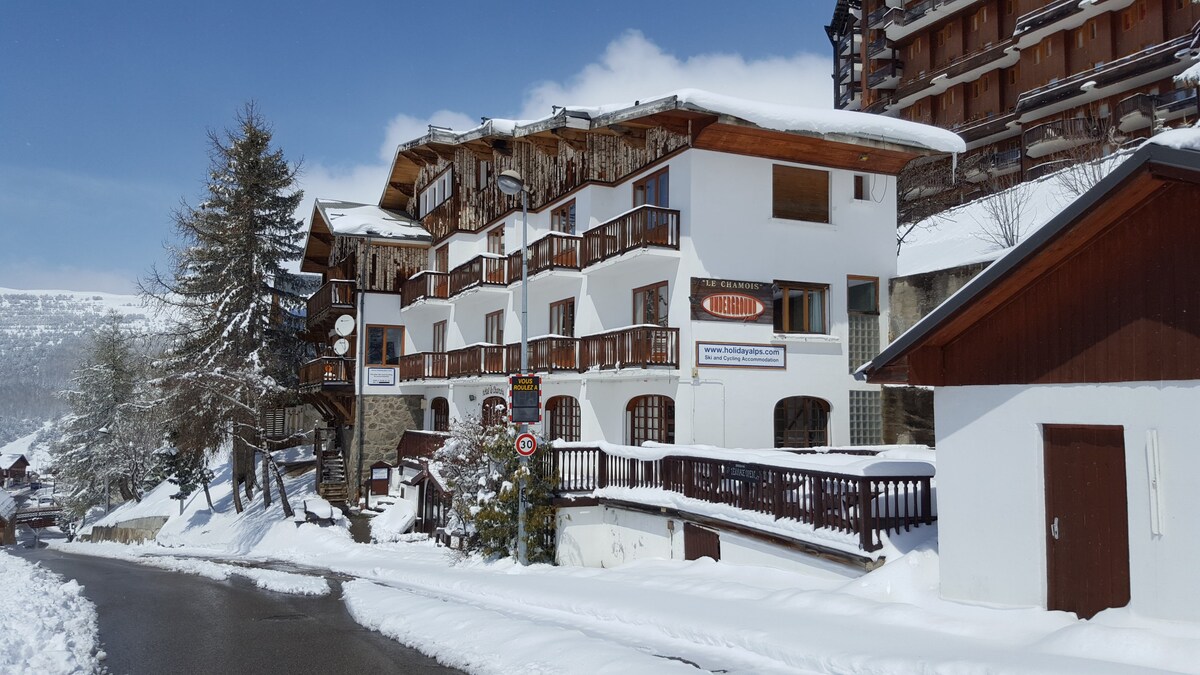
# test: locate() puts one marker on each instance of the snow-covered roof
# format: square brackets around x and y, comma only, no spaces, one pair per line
[7,461]
[774,116]
[365,220]
[8,506]
[300,454]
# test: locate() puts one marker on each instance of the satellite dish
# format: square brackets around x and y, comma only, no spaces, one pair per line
[341,346]
[344,325]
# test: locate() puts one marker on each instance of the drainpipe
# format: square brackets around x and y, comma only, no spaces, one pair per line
[358,366]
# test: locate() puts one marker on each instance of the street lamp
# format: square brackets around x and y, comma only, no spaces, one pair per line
[511,183]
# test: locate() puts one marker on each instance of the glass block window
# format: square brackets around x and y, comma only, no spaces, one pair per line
[866,418]
[864,339]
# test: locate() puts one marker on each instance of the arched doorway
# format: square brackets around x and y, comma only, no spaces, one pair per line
[439,408]
[801,422]
[650,418]
[562,418]
[495,411]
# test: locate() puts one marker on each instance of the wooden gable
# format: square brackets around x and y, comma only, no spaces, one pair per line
[1110,296]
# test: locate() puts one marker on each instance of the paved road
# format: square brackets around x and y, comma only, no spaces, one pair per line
[154,621]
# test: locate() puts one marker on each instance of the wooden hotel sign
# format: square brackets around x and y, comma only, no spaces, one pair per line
[728,300]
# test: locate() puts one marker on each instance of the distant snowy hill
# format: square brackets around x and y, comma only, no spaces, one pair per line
[42,336]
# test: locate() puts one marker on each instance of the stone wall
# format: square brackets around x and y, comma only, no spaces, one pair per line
[385,419]
[908,411]
[129,531]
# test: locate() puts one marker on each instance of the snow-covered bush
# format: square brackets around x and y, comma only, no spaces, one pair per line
[481,468]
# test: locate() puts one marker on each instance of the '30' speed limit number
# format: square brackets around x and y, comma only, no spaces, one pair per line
[526,444]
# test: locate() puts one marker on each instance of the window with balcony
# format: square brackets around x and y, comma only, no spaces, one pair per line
[650,418]
[493,327]
[800,307]
[562,219]
[650,304]
[439,411]
[800,194]
[495,240]
[385,345]
[562,317]
[562,418]
[494,411]
[653,190]
[439,337]
[437,192]
[801,422]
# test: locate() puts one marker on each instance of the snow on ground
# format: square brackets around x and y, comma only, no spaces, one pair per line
[37,454]
[657,616]
[47,625]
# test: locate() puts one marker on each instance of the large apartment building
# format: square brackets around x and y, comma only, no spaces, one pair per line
[700,270]
[1027,83]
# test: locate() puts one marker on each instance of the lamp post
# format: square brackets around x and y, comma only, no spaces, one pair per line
[511,183]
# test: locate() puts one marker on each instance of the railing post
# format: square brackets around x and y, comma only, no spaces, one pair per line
[926,502]
[866,531]
[601,469]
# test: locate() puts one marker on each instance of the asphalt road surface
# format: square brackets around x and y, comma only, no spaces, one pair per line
[154,621]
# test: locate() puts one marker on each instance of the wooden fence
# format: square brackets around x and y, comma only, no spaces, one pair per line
[865,506]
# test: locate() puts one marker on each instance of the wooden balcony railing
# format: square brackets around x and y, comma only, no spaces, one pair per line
[330,301]
[546,354]
[326,371]
[645,226]
[426,285]
[639,346]
[475,360]
[1075,129]
[554,251]
[865,506]
[478,271]
[422,366]
[418,443]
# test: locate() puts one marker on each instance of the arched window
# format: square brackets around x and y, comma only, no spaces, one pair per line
[562,418]
[495,411]
[440,409]
[801,422]
[650,418]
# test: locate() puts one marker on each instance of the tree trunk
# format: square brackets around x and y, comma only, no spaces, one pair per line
[236,475]
[266,480]
[283,498]
[208,497]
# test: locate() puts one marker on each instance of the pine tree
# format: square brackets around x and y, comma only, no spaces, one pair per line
[235,347]
[108,440]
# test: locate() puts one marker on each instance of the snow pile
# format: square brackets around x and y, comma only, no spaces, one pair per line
[366,220]
[8,505]
[1187,138]
[393,523]
[47,625]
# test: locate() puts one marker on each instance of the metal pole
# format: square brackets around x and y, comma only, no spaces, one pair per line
[359,424]
[522,556]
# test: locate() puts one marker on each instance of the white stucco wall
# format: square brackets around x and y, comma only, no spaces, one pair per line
[991,489]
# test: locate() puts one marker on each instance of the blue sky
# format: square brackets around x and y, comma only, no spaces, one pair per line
[104,106]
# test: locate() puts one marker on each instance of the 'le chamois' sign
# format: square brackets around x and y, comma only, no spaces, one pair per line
[728,300]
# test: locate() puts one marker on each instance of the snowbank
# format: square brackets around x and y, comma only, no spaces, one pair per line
[394,522]
[47,625]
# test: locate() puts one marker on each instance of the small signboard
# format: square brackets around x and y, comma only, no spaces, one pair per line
[381,376]
[526,444]
[525,399]
[380,474]
[743,472]
[737,355]
[729,300]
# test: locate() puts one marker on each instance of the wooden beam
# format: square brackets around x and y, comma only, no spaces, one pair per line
[574,138]
[631,136]
[406,190]
[419,157]
[481,149]
[445,152]
[547,146]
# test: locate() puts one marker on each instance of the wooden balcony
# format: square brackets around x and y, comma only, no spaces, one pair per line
[554,251]
[1048,14]
[475,360]
[1051,137]
[638,346]
[643,227]
[422,366]
[416,443]
[865,506]
[330,301]
[327,372]
[886,76]
[425,285]
[546,354]
[483,270]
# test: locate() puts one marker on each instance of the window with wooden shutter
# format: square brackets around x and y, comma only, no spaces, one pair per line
[800,194]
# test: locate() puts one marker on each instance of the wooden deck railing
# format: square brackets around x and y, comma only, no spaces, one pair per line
[475,360]
[336,295]
[425,285]
[546,354]
[422,366]
[637,346]
[553,251]
[865,506]
[645,226]
[479,271]
[327,370]
[419,443]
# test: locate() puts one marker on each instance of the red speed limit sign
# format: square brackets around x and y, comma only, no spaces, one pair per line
[526,445]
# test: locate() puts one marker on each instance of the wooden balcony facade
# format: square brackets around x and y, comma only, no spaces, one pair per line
[864,506]
[482,270]
[425,285]
[553,251]
[635,347]
[333,299]
[327,373]
[643,227]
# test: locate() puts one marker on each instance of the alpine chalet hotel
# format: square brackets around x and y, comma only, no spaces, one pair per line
[701,270]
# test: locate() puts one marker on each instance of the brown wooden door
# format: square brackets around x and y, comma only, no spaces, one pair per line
[699,542]
[1087,522]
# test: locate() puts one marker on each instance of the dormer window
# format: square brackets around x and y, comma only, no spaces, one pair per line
[437,192]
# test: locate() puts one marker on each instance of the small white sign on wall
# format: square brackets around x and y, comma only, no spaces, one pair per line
[381,376]
[737,355]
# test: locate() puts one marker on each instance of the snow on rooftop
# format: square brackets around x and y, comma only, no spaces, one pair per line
[8,505]
[776,116]
[1187,138]
[365,220]
[7,460]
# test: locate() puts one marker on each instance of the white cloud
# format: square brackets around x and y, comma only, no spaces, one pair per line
[634,68]
[404,128]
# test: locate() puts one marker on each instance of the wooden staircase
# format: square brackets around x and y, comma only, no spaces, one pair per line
[331,470]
